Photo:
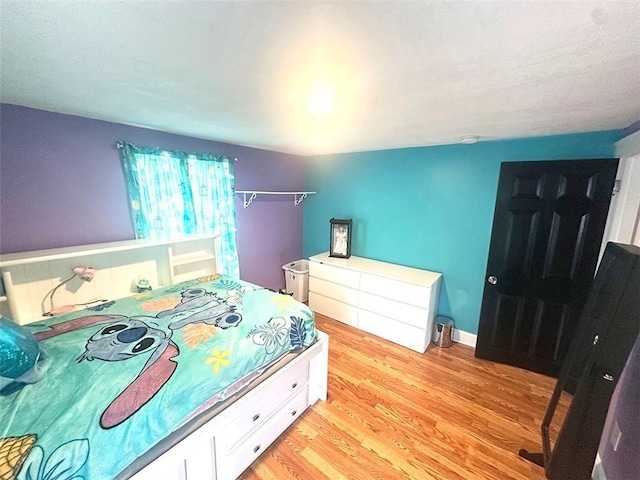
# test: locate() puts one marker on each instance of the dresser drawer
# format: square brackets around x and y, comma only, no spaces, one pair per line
[414,316]
[333,274]
[333,290]
[244,454]
[259,412]
[332,308]
[411,337]
[404,292]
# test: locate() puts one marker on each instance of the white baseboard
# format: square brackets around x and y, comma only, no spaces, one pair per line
[465,338]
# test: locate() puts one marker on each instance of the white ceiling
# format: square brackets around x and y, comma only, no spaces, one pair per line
[401,73]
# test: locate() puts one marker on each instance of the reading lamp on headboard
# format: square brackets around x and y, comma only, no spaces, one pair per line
[85,273]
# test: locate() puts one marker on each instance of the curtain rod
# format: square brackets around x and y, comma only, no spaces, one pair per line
[120,145]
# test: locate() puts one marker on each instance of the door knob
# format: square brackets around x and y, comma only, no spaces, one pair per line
[492,279]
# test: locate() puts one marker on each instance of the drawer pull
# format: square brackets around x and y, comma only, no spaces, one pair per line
[293,414]
[294,385]
[256,417]
[256,448]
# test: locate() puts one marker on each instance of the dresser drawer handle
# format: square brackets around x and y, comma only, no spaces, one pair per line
[293,414]
[256,448]
[294,385]
[256,417]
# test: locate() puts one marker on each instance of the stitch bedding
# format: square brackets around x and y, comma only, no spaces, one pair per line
[119,378]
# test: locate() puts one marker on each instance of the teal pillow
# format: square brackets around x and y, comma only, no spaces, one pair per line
[19,355]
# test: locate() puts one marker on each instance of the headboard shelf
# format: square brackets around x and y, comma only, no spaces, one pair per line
[28,276]
[22,258]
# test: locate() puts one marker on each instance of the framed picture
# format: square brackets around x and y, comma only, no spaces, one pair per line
[340,238]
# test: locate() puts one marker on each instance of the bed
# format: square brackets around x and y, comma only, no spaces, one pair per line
[190,381]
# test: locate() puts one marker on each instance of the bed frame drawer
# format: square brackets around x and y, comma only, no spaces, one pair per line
[244,454]
[263,407]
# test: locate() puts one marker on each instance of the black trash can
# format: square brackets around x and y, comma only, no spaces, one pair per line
[443,331]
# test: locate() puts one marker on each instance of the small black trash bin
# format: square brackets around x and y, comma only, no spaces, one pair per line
[443,331]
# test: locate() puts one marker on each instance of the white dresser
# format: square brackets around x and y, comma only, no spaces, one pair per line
[391,301]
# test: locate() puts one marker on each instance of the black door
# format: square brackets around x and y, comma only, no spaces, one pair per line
[547,231]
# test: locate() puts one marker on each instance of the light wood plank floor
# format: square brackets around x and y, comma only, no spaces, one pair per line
[393,413]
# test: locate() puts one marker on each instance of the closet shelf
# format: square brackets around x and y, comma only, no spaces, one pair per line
[298,197]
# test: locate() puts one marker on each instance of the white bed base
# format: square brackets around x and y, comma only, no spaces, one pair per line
[225,446]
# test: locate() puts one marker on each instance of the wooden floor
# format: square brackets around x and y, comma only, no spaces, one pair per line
[394,413]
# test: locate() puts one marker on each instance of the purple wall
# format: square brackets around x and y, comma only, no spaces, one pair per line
[61,184]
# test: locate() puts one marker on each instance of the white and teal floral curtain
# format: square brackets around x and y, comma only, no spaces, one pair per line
[174,194]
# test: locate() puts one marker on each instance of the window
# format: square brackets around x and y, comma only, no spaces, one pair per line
[174,194]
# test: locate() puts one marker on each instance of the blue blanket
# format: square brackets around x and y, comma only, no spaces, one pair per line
[121,376]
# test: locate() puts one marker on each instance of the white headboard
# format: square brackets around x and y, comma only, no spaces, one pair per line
[29,276]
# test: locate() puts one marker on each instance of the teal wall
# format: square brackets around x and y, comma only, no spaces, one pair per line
[428,207]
